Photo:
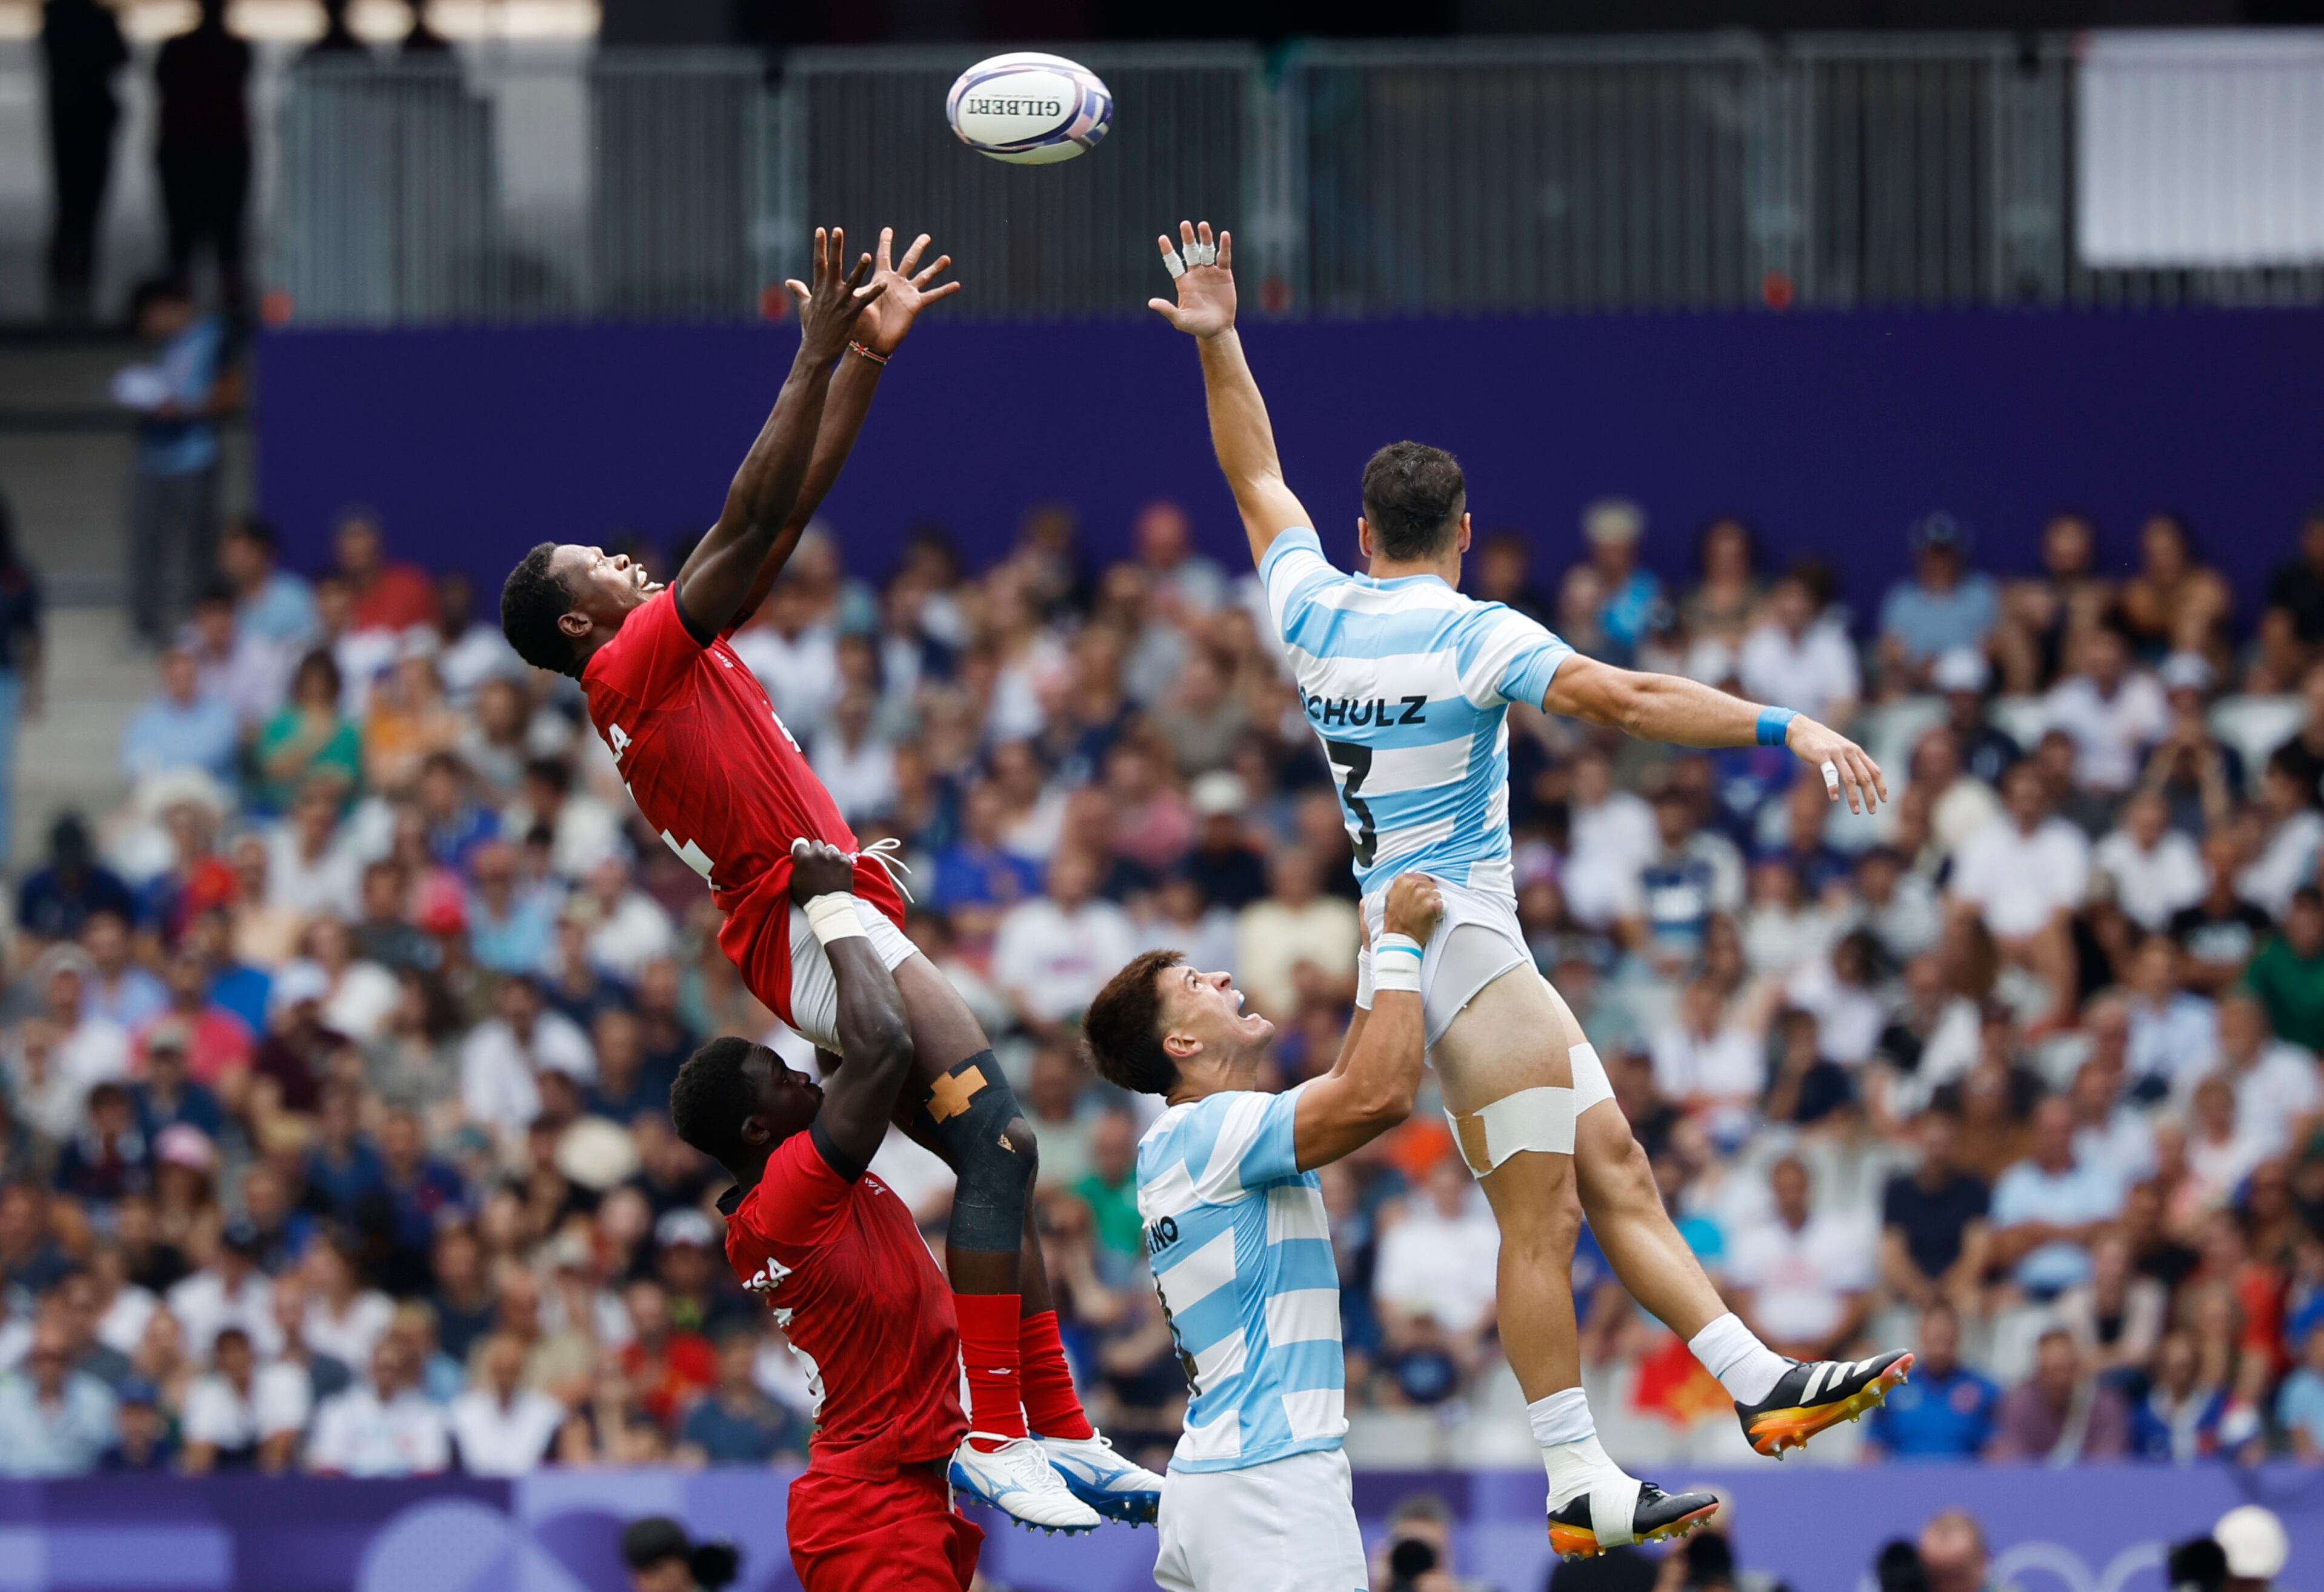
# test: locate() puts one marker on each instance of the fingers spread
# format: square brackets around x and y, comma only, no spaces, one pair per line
[941,263]
[945,292]
[912,256]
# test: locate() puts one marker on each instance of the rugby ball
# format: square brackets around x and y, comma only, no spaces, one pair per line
[1028,109]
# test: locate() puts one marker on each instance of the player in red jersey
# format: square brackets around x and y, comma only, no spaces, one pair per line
[713,769]
[837,1258]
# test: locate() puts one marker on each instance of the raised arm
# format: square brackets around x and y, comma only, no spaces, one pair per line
[724,566]
[873,1035]
[907,288]
[1372,1087]
[1683,712]
[1240,433]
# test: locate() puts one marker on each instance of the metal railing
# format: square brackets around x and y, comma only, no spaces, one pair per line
[1490,175]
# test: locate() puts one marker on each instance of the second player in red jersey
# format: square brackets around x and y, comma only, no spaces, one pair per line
[834,1255]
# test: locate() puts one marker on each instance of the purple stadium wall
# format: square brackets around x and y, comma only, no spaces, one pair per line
[1829,432]
[2098,1529]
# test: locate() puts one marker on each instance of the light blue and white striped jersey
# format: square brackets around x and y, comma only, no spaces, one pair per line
[1408,683]
[1242,1259]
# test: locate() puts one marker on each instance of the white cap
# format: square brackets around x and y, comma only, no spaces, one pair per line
[2254,1542]
[1613,519]
[1960,669]
[1217,794]
[2186,671]
[295,982]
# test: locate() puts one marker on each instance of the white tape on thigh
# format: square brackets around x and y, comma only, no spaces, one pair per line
[1591,1084]
[1530,1119]
[1614,1510]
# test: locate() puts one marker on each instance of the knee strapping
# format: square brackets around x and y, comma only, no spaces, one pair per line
[1530,1119]
[973,1115]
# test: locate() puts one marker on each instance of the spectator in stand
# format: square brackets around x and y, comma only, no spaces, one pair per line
[54,1421]
[1696,874]
[2290,840]
[2116,1317]
[271,604]
[309,743]
[1935,1235]
[2300,1404]
[143,1444]
[1054,951]
[2062,1414]
[2044,617]
[855,763]
[2278,1092]
[1985,750]
[2174,604]
[2288,973]
[1504,573]
[115,985]
[1945,1412]
[2025,874]
[1614,528]
[2220,932]
[736,1422]
[2304,752]
[1224,866]
[1612,837]
[2296,590]
[1296,941]
[2196,774]
[1433,1280]
[179,728]
[385,595]
[243,1415]
[2156,870]
[1945,605]
[1803,1280]
[1165,539]
[2048,1208]
[1717,611]
[55,902]
[384,1426]
[1109,1190]
[1708,1064]
[2112,711]
[499,1426]
[178,394]
[1798,657]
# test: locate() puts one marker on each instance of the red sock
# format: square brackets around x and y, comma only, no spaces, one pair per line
[1052,1407]
[988,1347]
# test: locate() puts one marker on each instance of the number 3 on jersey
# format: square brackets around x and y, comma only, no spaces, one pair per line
[1356,757]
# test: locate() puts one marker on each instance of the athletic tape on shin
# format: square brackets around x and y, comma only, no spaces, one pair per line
[1530,1119]
[971,1109]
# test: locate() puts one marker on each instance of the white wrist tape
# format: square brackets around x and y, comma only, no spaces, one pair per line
[833,918]
[1395,963]
[1363,977]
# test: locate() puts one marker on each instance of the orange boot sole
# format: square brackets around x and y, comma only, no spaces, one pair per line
[1574,1542]
[1780,1430]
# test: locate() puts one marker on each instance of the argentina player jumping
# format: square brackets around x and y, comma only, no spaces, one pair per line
[1409,684]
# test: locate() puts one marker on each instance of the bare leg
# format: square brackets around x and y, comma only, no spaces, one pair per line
[1493,1051]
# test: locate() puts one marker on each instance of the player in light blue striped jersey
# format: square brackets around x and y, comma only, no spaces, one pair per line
[1409,684]
[1257,1498]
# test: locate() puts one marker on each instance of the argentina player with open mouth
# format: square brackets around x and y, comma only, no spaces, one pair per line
[1423,787]
[1258,1496]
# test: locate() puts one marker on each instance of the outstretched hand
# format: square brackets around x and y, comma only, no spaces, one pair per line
[1848,770]
[829,312]
[904,289]
[1206,305]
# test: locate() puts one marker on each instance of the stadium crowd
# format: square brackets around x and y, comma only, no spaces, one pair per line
[337,1061]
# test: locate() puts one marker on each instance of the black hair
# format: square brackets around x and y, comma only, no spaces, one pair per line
[153,291]
[1123,1027]
[657,1539]
[319,661]
[1413,498]
[711,1097]
[532,601]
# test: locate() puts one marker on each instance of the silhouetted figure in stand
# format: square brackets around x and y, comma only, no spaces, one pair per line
[203,78]
[80,50]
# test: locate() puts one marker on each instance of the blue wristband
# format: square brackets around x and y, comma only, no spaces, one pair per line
[1773,722]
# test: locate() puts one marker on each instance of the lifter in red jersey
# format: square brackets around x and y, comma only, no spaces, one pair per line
[714,770]
[837,1258]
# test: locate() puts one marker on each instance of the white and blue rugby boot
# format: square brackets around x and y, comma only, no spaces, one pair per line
[1017,1479]
[1104,1480]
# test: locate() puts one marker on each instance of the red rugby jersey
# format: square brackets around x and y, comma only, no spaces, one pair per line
[843,1269]
[712,766]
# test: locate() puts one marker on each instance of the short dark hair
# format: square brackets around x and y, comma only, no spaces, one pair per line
[532,601]
[1123,1027]
[256,529]
[711,1096]
[1413,498]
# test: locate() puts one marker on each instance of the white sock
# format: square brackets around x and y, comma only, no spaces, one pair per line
[1729,1350]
